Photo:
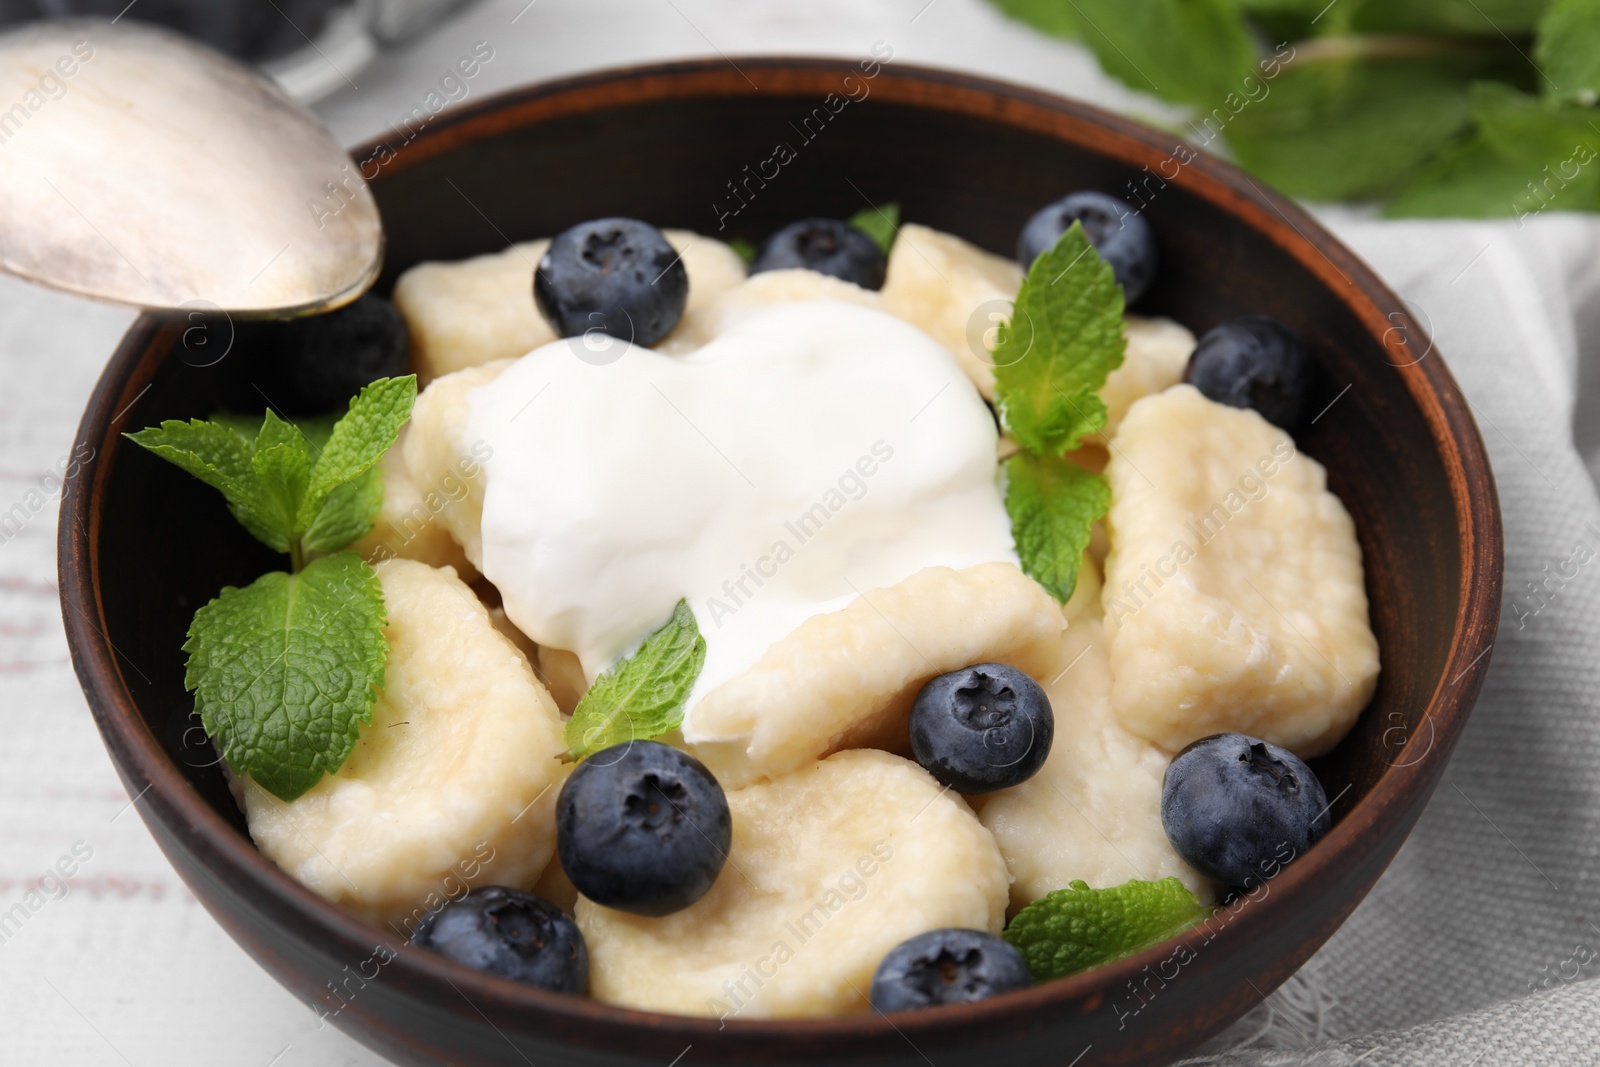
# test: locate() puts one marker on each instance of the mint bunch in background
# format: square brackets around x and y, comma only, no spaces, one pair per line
[1064,337]
[286,669]
[1473,108]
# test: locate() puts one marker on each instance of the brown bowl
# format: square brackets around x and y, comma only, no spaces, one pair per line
[142,544]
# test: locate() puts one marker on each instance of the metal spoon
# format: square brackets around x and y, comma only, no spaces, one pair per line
[139,167]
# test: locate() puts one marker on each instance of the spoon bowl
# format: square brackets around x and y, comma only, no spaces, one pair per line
[141,168]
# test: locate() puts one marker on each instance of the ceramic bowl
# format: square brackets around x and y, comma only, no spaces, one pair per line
[142,545]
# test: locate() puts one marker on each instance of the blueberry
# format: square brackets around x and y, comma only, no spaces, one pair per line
[617,276]
[1121,236]
[314,365]
[642,827]
[510,933]
[949,966]
[827,246]
[982,728]
[1254,362]
[1238,809]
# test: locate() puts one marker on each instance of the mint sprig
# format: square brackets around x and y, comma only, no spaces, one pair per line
[879,223]
[1076,928]
[642,696]
[286,669]
[1064,337]
[278,484]
[1568,48]
[358,441]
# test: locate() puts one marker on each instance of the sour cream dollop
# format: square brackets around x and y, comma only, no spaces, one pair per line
[809,453]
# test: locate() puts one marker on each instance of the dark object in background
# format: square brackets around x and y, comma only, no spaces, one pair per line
[253,30]
[393,21]
[324,360]
[314,365]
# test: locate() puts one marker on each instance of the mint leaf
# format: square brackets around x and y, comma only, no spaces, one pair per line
[1568,48]
[1469,180]
[1527,154]
[879,223]
[1053,506]
[282,467]
[285,669]
[1299,7]
[347,515]
[225,461]
[1195,51]
[1333,129]
[1073,929]
[359,440]
[210,452]
[246,426]
[1052,16]
[313,428]
[349,511]
[1482,18]
[743,249]
[1552,141]
[1064,337]
[275,431]
[642,696]
[1277,22]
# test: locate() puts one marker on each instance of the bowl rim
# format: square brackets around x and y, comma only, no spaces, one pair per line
[168,799]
